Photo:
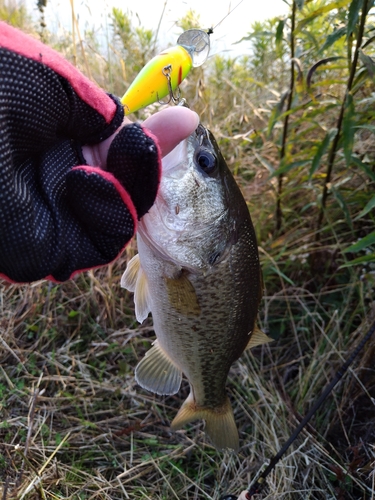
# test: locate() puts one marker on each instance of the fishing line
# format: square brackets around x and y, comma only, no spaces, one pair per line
[211,30]
[259,483]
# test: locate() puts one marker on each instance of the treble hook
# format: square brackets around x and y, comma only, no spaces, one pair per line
[175,99]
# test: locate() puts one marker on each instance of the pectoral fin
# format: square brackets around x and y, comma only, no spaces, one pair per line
[129,278]
[258,337]
[134,280]
[182,296]
[157,373]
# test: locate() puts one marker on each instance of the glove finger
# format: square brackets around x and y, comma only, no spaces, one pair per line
[134,159]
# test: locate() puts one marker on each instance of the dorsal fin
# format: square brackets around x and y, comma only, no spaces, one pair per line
[257,337]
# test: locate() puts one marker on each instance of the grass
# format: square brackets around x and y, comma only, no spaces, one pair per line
[75,425]
[73,422]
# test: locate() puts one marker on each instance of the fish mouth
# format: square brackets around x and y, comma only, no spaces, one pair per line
[202,135]
[198,138]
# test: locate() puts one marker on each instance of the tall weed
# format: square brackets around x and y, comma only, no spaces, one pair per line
[295,120]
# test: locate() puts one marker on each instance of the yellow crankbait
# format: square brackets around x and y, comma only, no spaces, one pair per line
[163,74]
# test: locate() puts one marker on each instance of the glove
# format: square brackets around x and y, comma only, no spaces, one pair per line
[58,215]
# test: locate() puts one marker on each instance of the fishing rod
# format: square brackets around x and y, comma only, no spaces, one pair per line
[257,486]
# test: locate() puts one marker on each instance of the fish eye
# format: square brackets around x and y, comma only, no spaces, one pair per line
[206,160]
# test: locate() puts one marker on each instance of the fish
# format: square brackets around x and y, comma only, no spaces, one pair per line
[198,272]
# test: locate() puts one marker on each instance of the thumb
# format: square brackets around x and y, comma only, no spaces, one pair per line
[171,126]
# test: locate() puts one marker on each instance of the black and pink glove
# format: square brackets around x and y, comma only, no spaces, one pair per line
[58,215]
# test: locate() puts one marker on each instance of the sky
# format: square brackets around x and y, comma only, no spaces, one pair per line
[232,28]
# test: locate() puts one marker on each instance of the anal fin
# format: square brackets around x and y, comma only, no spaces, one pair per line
[157,373]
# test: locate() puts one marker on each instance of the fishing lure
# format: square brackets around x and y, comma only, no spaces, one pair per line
[163,74]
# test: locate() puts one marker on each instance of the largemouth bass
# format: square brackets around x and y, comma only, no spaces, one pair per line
[197,271]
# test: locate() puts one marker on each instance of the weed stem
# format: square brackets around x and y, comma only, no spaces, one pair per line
[333,150]
[279,213]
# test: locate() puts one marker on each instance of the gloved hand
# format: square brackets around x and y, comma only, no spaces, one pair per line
[75,177]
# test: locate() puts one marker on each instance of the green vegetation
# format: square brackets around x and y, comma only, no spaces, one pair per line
[295,120]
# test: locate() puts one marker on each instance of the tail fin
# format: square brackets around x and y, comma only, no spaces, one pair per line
[220,424]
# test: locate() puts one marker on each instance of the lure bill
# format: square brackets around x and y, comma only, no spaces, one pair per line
[162,76]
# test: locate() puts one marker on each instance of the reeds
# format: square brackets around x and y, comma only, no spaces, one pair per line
[75,425]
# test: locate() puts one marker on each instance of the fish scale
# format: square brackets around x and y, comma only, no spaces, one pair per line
[198,273]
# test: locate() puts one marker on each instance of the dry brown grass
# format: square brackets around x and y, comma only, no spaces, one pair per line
[75,425]
[73,422]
